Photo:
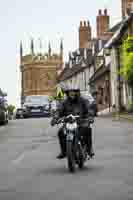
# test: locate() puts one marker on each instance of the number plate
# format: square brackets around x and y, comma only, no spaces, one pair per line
[35,110]
[70,137]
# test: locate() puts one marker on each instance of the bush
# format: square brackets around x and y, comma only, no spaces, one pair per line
[11,109]
[130,107]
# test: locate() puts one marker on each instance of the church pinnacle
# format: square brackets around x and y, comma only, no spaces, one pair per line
[49,49]
[61,48]
[32,46]
[21,49]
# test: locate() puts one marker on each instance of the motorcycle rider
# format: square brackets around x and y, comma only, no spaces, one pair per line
[74,104]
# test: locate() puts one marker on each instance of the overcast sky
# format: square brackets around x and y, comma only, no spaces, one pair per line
[46,19]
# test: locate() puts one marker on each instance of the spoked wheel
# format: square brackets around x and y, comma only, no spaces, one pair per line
[82,155]
[70,156]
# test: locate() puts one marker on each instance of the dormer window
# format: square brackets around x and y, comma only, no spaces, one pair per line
[85,53]
[100,45]
[70,64]
[77,60]
[72,57]
[78,52]
[93,49]
[83,64]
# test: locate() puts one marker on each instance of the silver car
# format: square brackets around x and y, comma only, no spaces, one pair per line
[3,111]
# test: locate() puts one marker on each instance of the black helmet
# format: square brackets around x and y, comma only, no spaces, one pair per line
[72,92]
[66,87]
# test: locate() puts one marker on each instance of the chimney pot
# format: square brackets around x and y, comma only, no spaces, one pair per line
[100,12]
[105,11]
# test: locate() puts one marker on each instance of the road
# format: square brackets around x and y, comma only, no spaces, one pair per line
[29,169]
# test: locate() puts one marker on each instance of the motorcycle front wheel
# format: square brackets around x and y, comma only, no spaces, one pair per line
[82,156]
[70,156]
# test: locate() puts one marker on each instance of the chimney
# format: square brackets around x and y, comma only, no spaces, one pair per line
[127,7]
[84,34]
[103,21]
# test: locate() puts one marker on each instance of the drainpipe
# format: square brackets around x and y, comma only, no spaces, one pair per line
[85,79]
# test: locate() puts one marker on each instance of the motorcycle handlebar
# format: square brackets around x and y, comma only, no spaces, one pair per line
[63,119]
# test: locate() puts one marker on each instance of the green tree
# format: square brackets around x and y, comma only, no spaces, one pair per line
[3,94]
[127,61]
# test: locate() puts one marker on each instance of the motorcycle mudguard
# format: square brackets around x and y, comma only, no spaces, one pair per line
[91,125]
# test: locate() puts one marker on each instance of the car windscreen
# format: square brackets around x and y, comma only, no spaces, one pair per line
[37,99]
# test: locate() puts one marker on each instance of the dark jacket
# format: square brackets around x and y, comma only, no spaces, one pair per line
[80,107]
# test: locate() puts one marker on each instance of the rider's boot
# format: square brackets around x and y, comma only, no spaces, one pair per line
[63,149]
[91,152]
[61,156]
[90,146]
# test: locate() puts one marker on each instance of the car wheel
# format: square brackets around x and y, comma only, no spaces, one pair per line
[7,120]
[4,120]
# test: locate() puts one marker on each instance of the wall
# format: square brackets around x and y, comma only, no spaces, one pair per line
[113,76]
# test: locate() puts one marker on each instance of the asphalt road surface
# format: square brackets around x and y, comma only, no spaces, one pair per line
[29,169]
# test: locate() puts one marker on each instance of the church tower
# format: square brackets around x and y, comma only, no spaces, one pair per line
[39,72]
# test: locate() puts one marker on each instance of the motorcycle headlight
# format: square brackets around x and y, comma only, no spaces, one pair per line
[71,126]
[26,108]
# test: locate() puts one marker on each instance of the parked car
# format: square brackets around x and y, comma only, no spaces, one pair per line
[53,107]
[92,102]
[3,111]
[19,113]
[36,106]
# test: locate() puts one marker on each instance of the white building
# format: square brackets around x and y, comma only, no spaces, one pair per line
[78,70]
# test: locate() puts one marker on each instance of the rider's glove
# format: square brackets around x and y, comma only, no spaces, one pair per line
[53,122]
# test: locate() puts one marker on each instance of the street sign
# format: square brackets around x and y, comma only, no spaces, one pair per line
[60,93]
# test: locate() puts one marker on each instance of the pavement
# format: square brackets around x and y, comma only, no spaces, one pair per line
[127,116]
[124,116]
[29,169]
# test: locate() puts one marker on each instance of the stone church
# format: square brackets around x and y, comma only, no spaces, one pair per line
[39,72]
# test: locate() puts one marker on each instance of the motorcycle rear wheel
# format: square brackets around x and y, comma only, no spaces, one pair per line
[81,159]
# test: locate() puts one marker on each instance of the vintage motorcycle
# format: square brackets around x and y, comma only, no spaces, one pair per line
[76,149]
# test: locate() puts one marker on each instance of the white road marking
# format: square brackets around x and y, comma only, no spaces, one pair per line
[19,159]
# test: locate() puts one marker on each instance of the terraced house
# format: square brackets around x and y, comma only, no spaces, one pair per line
[112,88]
[81,64]
[94,65]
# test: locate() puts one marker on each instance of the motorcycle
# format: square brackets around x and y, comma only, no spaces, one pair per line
[76,149]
